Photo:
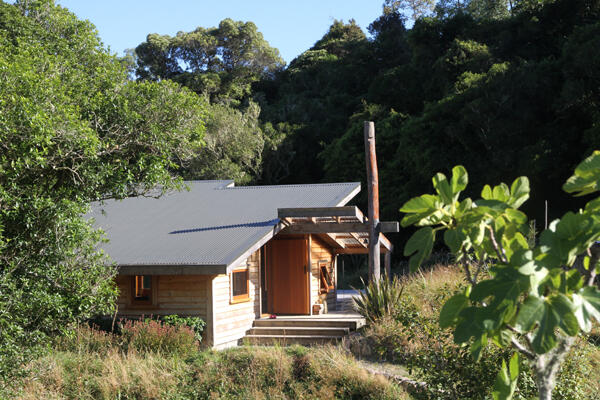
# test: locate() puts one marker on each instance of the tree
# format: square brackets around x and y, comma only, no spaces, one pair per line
[234,145]
[417,8]
[73,129]
[220,62]
[535,297]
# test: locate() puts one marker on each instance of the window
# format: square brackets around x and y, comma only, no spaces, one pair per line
[325,281]
[142,289]
[240,286]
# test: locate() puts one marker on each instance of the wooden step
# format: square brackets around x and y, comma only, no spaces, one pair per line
[299,331]
[306,340]
[324,323]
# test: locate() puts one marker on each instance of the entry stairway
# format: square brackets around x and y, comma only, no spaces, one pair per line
[304,330]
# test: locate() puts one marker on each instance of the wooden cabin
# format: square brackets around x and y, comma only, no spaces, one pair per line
[233,254]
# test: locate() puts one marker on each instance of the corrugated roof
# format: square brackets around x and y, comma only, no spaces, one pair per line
[212,224]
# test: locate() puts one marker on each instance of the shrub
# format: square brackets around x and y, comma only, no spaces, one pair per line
[196,324]
[155,336]
[85,339]
[378,298]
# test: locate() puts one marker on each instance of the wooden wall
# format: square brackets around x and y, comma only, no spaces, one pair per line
[176,294]
[319,251]
[231,321]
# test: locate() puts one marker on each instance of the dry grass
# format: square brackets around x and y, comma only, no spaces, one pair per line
[87,371]
[432,286]
[110,376]
[592,386]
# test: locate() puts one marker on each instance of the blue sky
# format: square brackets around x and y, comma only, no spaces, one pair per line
[290,26]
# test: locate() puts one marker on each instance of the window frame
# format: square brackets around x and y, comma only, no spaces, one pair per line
[241,298]
[152,292]
[326,283]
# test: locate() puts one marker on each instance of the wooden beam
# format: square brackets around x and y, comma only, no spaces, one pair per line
[331,239]
[357,250]
[332,227]
[347,211]
[352,250]
[358,239]
[385,242]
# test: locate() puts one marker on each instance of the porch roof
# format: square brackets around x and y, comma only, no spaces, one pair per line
[346,229]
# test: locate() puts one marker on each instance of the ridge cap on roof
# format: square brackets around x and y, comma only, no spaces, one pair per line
[296,185]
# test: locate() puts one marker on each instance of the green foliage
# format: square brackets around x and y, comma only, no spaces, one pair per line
[172,337]
[411,336]
[196,324]
[234,145]
[535,298]
[378,298]
[73,129]
[220,62]
[506,382]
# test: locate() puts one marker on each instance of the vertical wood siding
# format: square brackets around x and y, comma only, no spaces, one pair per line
[233,320]
[321,252]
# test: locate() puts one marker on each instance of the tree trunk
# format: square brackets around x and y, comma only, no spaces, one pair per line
[547,365]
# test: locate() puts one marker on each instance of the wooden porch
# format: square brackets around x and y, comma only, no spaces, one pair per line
[306,329]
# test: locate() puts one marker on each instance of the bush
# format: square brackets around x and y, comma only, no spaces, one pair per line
[378,298]
[156,336]
[196,324]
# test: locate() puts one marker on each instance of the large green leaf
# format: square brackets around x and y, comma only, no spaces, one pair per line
[587,307]
[506,380]
[459,180]
[419,247]
[557,312]
[420,204]
[519,192]
[442,186]
[422,210]
[451,309]
[544,338]
[586,178]
[530,314]
[564,308]
[454,239]
[470,324]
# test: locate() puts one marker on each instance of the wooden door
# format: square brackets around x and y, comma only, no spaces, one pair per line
[287,276]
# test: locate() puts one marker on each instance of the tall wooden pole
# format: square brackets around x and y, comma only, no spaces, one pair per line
[373,187]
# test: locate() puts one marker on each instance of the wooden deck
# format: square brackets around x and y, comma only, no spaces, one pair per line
[307,329]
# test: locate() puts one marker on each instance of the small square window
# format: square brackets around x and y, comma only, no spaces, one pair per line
[325,281]
[240,286]
[142,289]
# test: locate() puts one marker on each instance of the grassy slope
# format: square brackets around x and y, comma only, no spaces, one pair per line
[412,339]
[238,373]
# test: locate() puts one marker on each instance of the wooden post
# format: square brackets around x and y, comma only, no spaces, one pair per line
[388,265]
[373,187]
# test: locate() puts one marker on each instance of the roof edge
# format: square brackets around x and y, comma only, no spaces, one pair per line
[172,269]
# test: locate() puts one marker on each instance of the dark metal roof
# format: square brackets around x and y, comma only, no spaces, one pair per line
[213,225]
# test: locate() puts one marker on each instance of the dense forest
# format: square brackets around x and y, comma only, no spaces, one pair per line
[503,89]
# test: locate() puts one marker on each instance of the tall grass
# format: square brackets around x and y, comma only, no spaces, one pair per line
[238,373]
